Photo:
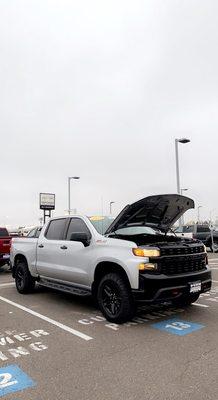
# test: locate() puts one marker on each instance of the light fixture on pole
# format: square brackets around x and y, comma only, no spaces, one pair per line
[177,141]
[183,190]
[111,202]
[69,179]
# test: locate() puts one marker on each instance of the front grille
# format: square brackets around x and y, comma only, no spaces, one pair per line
[182,265]
[180,250]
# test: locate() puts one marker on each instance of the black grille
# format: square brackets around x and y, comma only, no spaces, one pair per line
[182,265]
[180,250]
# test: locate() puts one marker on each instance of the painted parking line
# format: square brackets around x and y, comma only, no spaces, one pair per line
[200,305]
[2,285]
[13,379]
[215,281]
[47,319]
[177,326]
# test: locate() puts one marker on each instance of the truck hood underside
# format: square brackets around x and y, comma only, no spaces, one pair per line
[159,212]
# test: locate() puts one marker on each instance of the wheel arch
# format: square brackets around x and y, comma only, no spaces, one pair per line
[105,267]
[17,259]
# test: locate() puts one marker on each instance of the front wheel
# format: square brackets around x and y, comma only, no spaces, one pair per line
[23,280]
[115,298]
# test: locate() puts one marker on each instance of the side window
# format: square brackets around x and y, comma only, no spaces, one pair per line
[55,230]
[188,229]
[203,228]
[77,225]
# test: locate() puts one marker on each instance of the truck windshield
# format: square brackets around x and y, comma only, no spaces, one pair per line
[101,223]
[136,230]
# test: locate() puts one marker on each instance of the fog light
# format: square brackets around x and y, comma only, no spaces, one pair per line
[147,267]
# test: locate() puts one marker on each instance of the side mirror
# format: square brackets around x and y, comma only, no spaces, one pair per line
[80,237]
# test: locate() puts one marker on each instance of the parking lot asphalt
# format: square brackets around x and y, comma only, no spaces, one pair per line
[58,346]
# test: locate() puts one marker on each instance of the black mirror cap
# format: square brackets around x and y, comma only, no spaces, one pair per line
[82,237]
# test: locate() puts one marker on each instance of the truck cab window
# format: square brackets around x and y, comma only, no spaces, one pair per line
[56,229]
[77,225]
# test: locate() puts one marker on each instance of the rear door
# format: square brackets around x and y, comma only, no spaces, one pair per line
[77,258]
[62,259]
[50,255]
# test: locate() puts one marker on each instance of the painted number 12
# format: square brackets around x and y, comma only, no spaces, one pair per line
[6,380]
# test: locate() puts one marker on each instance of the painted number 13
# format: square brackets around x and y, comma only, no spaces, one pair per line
[6,380]
[179,326]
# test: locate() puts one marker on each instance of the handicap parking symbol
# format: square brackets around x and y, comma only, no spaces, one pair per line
[177,326]
[13,379]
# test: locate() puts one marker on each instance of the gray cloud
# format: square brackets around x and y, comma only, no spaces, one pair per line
[101,90]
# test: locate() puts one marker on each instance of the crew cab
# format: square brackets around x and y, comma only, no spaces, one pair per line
[5,244]
[135,261]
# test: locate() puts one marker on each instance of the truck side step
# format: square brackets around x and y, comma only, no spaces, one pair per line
[79,291]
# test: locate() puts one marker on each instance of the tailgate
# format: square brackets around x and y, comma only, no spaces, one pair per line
[5,245]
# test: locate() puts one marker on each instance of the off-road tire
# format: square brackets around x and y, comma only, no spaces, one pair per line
[23,279]
[114,284]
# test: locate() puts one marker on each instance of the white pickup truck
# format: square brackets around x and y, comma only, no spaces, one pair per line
[135,260]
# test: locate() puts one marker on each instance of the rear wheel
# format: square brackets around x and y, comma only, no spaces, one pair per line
[115,299]
[187,300]
[23,280]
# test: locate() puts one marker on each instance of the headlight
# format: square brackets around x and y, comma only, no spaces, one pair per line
[146,252]
[205,249]
[147,267]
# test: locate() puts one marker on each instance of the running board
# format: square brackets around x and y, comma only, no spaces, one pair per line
[65,287]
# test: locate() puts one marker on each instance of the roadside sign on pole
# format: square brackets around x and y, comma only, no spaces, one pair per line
[47,201]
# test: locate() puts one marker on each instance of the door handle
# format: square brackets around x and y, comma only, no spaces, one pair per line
[63,247]
[41,246]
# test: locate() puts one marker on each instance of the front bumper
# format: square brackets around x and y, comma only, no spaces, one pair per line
[160,288]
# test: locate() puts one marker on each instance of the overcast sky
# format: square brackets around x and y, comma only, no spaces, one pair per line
[101,89]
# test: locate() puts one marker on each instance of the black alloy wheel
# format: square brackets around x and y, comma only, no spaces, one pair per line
[23,280]
[115,298]
[111,298]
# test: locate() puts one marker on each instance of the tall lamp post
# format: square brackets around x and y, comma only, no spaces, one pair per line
[69,179]
[111,202]
[177,141]
[182,218]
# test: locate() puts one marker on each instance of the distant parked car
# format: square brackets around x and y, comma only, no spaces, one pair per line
[24,231]
[213,244]
[35,232]
[5,245]
[195,231]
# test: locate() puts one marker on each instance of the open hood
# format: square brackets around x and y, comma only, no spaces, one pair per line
[158,212]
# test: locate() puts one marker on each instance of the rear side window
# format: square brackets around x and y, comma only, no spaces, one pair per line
[56,229]
[203,228]
[188,229]
[3,232]
[77,225]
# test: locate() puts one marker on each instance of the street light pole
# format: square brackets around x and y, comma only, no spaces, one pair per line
[182,218]
[177,141]
[111,202]
[69,179]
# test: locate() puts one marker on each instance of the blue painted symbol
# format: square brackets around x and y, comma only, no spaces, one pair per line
[13,379]
[177,326]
